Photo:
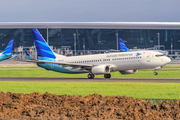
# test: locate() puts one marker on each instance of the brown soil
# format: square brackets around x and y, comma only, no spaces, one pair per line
[36,106]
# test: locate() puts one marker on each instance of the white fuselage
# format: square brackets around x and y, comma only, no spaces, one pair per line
[119,61]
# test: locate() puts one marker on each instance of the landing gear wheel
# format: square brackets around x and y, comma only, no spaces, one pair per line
[107,75]
[90,76]
[155,73]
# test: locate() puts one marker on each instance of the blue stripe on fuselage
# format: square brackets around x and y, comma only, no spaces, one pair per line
[56,68]
[3,57]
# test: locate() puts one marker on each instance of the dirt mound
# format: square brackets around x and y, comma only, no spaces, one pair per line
[38,106]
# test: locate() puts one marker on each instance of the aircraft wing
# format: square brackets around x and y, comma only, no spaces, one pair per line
[85,66]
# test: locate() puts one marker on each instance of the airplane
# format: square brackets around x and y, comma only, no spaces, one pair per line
[124,62]
[6,54]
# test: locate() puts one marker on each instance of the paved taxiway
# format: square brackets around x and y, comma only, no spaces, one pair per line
[42,79]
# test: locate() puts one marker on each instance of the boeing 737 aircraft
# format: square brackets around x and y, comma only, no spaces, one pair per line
[124,62]
[6,54]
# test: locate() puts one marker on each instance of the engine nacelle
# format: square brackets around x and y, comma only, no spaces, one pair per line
[129,71]
[100,69]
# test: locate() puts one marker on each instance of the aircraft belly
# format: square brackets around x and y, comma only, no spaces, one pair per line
[147,65]
[128,65]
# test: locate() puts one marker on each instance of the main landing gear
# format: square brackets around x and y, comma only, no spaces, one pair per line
[90,76]
[107,75]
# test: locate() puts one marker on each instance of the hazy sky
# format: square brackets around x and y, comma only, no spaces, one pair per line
[90,10]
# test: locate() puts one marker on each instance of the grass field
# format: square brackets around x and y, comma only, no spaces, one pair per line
[136,90]
[34,71]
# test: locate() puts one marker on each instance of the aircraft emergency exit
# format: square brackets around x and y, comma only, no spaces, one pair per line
[124,62]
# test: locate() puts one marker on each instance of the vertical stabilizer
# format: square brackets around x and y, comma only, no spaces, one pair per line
[123,46]
[29,57]
[8,49]
[44,52]
[6,54]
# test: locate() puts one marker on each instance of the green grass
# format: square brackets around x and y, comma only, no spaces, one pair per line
[19,67]
[38,72]
[171,67]
[136,90]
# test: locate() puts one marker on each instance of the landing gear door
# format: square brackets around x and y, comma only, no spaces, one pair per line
[148,57]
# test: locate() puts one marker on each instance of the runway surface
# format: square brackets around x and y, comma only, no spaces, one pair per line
[42,79]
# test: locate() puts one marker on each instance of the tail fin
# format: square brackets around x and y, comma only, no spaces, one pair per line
[14,55]
[8,49]
[123,46]
[29,57]
[44,52]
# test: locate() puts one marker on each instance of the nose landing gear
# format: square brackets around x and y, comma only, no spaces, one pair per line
[155,72]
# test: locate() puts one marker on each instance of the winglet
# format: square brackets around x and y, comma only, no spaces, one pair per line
[29,57]
[123,46]
[8,49]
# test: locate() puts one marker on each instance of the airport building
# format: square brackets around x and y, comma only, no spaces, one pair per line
[94,35]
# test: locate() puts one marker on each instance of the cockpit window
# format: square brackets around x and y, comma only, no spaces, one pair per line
[159,55]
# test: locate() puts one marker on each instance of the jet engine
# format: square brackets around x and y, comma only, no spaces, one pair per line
[129,71]
[101,69]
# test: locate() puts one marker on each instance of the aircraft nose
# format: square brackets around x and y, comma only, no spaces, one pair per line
[167,60]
